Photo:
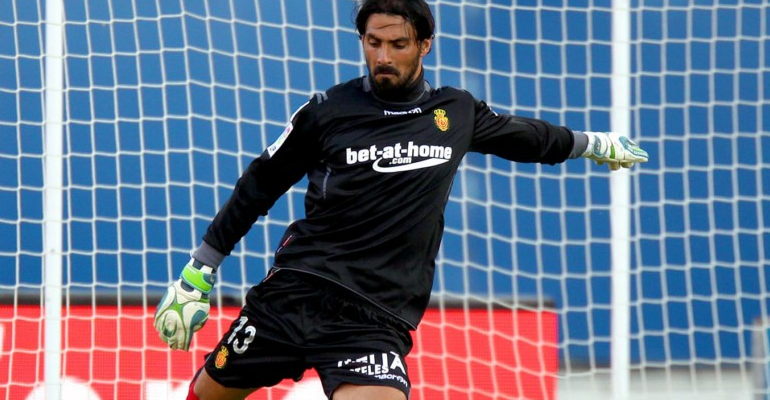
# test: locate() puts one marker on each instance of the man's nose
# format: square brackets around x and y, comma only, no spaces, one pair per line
[383,55]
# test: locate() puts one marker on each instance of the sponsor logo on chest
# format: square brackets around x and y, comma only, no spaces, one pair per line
[399,157]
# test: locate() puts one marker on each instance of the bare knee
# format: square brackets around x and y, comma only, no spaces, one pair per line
[348,391]
[207,388]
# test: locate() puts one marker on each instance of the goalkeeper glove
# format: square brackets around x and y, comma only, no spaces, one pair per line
[185,307]
[614,149]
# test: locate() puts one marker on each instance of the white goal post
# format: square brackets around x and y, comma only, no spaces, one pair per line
[125,124]
[53,221]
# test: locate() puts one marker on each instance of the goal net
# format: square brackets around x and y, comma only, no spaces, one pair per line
[166,102]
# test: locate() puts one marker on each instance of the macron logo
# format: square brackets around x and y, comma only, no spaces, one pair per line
[398,158]
[416,110]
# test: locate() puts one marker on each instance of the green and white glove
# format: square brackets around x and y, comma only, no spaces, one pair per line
[614,149]
[185,307]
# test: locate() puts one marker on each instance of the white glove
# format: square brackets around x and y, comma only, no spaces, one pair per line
[614,149]
[185,307]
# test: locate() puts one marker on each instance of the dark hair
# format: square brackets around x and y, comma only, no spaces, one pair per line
[415,12]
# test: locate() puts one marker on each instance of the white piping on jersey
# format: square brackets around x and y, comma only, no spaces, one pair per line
[326,180]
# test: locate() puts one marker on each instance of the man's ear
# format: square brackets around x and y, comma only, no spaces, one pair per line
[425,46]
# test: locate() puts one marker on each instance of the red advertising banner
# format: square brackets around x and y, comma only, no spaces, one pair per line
[112,352]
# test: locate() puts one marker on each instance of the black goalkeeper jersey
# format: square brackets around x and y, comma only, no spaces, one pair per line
[379,177]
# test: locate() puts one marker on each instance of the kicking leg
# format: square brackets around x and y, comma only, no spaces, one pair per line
[358,392]
[205,388]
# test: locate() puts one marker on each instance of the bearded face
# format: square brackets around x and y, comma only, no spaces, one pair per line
[393,54]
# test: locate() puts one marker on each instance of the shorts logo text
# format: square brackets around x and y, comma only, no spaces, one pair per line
[382,366]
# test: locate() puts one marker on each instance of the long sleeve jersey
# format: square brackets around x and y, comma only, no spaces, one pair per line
[379,176]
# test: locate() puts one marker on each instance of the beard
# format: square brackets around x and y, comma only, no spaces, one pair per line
[397,85]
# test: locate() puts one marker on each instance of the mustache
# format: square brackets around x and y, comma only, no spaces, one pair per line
[384,69]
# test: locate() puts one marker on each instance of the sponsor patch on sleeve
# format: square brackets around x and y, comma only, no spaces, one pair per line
[273,148]
[281,139]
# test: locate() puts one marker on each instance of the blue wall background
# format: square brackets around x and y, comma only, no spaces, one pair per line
[167,102]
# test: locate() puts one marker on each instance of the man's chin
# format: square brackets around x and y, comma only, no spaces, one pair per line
[386,80]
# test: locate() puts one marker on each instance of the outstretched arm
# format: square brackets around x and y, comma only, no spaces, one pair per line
[532,140]
[185,307]
[520,139]
[265,180]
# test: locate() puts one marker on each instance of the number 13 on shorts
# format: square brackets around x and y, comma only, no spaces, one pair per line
[249,331]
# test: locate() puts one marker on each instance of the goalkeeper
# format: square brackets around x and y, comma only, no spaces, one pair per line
[353,277]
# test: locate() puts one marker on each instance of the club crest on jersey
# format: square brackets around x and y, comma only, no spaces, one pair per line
[441,120]
[221,359]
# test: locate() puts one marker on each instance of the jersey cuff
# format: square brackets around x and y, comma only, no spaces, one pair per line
[208,255]
[580,144]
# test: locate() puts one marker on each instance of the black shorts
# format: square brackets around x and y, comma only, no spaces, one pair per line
[293,321]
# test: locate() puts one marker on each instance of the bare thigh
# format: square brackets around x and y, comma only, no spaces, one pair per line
[209,389]
[348,391]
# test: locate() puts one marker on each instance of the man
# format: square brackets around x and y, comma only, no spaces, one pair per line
[354,277]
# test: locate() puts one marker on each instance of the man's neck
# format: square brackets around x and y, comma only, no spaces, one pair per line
[406,94]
